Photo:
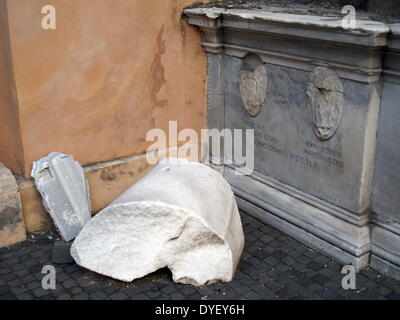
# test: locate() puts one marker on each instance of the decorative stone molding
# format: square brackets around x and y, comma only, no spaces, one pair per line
[253,84]
[325,91]
[293,39]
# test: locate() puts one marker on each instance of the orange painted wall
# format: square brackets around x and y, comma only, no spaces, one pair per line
[112,70]
[11,153]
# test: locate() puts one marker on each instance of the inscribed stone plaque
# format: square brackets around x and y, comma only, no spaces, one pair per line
[324,157]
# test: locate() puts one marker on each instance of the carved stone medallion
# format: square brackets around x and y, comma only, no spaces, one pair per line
[325,91]
[253,84]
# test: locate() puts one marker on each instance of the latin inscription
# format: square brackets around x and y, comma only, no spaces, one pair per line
[314,154]
[324,154]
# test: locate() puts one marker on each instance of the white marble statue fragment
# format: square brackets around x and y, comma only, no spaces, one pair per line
[61,182]
[182,215]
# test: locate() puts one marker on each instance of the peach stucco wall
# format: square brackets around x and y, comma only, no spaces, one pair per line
[11,153]
[112,70]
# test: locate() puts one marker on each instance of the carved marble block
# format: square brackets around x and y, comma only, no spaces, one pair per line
[325,91]
[65,192]
[311,92]
[182,215]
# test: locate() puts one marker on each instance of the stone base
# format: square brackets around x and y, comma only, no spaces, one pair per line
[107,181]
[385,250]
[12,227]
[345,242]
[385,267]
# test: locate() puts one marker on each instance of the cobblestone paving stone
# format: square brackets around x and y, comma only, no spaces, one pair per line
[273,266]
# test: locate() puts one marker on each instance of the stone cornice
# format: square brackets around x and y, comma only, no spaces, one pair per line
[307,40]
[328,29]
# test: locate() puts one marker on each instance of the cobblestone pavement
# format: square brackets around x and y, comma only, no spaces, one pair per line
[273,266]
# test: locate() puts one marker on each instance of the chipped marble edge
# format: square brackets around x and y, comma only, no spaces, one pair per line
[45,163]
[374,27]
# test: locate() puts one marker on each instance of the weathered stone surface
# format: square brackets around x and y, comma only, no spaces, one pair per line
[63,187]
[181,215]
[315,130]
[386,191]
[333,163]
[12,227]
[7,180]
[325,91]
[253,84]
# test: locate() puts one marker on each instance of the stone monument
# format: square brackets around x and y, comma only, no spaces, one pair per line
[311,92]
